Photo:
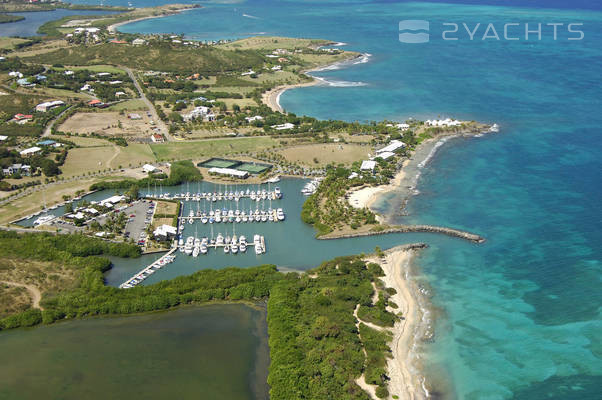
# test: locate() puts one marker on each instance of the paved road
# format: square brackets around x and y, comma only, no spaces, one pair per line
[48,130]
[151,108]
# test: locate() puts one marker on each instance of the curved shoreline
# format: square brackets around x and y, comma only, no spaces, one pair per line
[113,27]
[271,98]
[406,179]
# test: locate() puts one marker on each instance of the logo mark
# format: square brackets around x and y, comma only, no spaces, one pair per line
[410,31]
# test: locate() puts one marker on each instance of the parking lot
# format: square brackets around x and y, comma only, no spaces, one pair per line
[139,218]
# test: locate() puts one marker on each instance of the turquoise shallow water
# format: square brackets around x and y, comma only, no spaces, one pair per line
[520,314]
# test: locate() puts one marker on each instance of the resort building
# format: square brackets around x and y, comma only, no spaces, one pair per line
[138,42]
[368,165]
[392,147]
[445,122]
[385,155]
[403,126]
[30,151]
[281,127]
[49,105]
[229,172]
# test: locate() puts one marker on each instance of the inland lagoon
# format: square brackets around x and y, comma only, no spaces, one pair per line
[208,352]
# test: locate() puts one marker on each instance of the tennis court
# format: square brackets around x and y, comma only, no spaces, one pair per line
[219,163]
[253,168]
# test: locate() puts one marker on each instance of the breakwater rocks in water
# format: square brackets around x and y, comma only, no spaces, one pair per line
[411,228]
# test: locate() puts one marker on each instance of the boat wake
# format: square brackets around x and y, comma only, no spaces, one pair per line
[250,16]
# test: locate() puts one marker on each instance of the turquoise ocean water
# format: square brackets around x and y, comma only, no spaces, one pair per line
[520,314]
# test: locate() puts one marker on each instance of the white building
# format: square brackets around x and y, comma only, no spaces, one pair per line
[111,201]
[149,168]
[138,42]
[403,126]
[164,232]
[254,118]
[443,123]
[49,105]
[3,138]
[30,151]
[385,155]
[281,127]
[229,172]
[392,147]
[198,112]
[368,165]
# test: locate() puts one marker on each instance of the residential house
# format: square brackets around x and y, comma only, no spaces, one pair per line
[30,151]
[281,127]
[49,105]
[368,165]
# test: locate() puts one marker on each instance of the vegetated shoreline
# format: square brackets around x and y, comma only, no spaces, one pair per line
[406,380]
[271,98]
[405,181]
[113,27]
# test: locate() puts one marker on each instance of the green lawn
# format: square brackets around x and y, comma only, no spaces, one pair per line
[210,148]
[9,43]
[129,105]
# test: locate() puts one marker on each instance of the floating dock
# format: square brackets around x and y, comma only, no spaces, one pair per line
[148,271]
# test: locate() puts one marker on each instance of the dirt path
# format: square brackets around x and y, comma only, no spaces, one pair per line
[151,108]
[114,156]
[36,296]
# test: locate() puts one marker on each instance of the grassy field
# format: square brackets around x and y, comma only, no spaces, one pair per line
[106,123]
[134,154]
[326,153]
[95,68]
[82,141]
[216,147]
[84,160]
[272,43]
[129,105]
[9,43]
[166,208]
[48,278]
[60,93]
[92,159]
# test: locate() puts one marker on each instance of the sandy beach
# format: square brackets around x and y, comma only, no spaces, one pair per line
[271,98]
[113,28]
[405,181]
[405,382]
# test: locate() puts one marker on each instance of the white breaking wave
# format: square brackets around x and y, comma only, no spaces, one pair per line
[432,153]
[363,59]
[339,44]
[334,83]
